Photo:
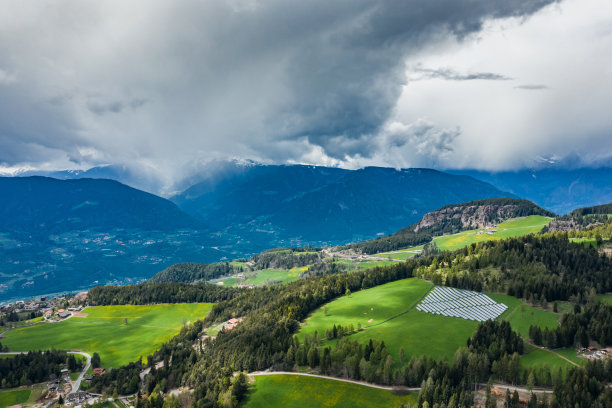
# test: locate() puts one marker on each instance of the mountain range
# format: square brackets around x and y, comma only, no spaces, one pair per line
[78,232]
[72,234]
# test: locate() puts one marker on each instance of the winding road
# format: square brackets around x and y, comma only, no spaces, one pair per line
[77,384]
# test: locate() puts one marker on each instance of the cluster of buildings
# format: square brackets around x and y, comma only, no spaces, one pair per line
[593,353]
[50,309]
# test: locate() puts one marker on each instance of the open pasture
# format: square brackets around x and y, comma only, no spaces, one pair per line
[606,298]
[388,312]
[402,254]
[104,331]
[367,307]
[303,392]
[536,357]
[14,397]
[266,276]
[521,316]
[419,333]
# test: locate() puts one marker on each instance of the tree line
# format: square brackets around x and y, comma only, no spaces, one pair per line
[35,367]
[152,293]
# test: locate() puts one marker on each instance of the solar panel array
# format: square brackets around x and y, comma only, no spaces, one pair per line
[462,303]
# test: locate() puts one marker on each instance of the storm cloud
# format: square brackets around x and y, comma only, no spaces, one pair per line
[164,84]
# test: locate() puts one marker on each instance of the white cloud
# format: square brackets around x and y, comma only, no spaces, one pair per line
[561,52]
[164,85]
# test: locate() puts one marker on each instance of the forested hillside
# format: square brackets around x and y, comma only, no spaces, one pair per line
[539,269]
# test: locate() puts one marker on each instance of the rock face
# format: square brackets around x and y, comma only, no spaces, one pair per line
[468,217]
[568,225]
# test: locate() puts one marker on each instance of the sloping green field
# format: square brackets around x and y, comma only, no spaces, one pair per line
[367,307]
[290,391]
[521,316]
[104,331]
[515,227]
[14,397]
[387,313]
[417,332]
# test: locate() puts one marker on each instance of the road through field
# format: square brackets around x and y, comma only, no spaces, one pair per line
[77,384]
[381,387]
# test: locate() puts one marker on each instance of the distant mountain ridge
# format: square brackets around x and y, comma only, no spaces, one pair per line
[50,205]
[59,235]
[295,205]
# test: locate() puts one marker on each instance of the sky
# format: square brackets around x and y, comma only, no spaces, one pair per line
[167,86]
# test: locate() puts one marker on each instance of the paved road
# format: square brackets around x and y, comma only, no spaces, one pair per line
[381,387]
[77,384]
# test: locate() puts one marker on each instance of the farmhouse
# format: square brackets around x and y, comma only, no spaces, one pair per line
[76,397]
[98,371]
[63,315]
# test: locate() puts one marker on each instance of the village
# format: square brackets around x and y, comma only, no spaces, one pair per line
[23,313]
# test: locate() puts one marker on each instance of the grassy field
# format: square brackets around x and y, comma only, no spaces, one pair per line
[367,307]
[521,316]
[538,358]
[587,242]
[14,397]
[511,228]
[104,331]
[607,298]
[290,391]
[403,254]
[417,332]
[275,275]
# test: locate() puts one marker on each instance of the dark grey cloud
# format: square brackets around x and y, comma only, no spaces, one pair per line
[180,81]
[419,73]
[532,87]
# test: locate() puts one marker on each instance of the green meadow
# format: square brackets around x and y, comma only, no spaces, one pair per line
[402,254]
[536,357]
[14,397]
[367,307]
[417,332]
[587,242]
[607,298]
[104,331]
[387,313]
[521,316]
[274,275]
[512,228]
[297,391]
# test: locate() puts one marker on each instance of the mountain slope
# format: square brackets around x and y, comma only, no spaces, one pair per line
[297,205]
[51,205]
[58,235]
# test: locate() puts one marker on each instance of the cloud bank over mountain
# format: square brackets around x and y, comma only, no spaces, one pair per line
[166,85]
